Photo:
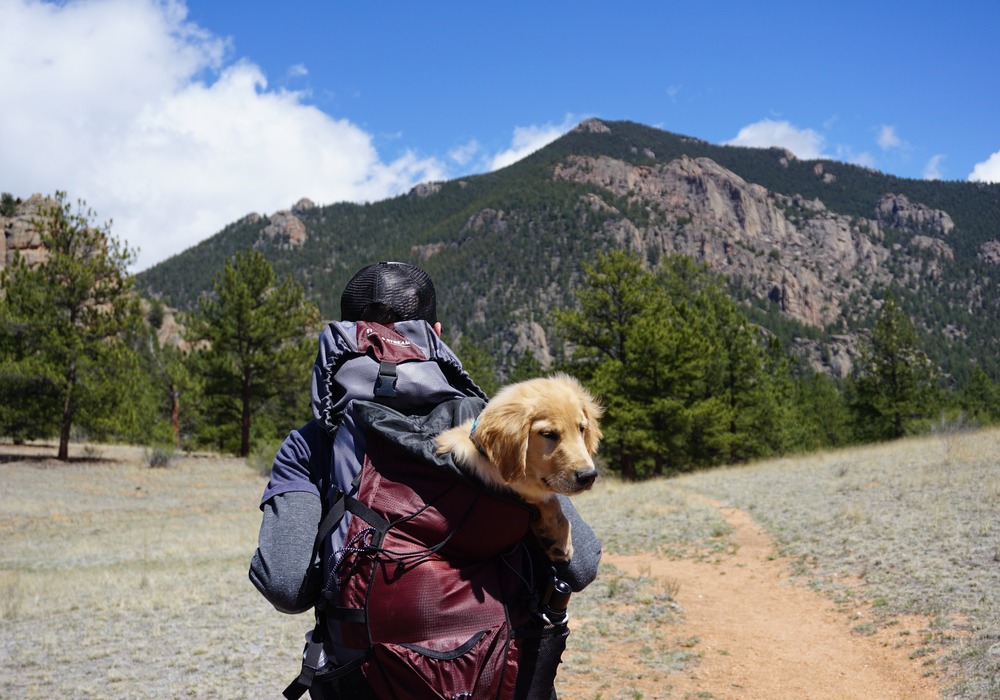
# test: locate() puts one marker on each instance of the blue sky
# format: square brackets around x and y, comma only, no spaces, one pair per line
[175,118]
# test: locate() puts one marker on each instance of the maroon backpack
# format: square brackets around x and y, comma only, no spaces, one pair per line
[431,589]
[428,575]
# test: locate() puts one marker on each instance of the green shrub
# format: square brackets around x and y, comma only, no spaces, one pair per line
[8,205]
[159,456]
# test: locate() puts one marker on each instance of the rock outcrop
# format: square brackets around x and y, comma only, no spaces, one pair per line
[287,228]
[834,358]
[899,212]
[425,189]
[530,338]
[303,205]
[20,231]
[593,126]
[990,252]
[485,221]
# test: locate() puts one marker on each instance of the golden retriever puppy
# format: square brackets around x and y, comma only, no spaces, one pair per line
[537,438]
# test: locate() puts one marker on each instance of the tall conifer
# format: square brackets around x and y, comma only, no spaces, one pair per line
[251,335]
[63,322]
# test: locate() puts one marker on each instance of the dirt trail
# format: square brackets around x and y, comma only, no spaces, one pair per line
[761,637]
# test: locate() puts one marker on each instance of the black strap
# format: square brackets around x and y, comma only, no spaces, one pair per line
[330,521]
[344,503]
[310,664]
[347,614]
[361,510]
[314,653]
[297,688]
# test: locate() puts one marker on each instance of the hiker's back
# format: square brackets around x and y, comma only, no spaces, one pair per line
[424,581]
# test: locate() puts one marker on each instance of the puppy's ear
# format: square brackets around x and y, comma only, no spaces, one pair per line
[593,411]
[502,432]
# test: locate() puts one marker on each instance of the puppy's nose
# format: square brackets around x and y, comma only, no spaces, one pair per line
[585,478]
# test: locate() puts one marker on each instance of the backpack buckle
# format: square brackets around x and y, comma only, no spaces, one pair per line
[385,384]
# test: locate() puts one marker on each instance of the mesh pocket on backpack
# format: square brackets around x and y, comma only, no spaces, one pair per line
[457,669]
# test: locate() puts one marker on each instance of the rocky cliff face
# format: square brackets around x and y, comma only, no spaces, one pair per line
[286,227]
[990,252]
[816,266]
[20,232]
[793,251]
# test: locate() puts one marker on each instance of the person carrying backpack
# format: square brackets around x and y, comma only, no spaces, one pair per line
[425,583]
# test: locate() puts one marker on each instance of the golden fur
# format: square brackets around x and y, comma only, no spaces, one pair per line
[537,438]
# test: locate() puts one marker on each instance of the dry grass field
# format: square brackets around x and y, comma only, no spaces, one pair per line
[118,580]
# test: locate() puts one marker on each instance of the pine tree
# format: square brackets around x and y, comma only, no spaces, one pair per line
[686,379]
[63,328]
[667,361]
[8,205]
[893,381]
[172,389]
[615,293]
[822,417]
[252,334]
[980,397]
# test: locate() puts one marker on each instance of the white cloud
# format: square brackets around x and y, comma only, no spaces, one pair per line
[932,171]
[463,155]
[126,104]
[806,144]
[987,171]
[888,138]
[528,139]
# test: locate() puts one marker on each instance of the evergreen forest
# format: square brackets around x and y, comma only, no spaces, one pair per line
[693,369]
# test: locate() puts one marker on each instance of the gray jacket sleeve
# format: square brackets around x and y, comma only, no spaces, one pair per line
[281,568]
[582,568]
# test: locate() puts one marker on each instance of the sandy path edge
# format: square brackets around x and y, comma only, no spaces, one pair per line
[761,637]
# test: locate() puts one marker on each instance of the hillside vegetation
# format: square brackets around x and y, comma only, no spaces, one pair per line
[507,247]
[700,308]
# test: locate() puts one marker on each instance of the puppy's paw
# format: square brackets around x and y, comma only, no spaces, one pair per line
[559,554]
[553,532]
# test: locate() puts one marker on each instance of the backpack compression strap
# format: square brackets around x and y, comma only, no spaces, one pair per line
[297,688]
[312,658]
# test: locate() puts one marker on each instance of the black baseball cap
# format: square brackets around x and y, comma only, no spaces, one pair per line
[403,290]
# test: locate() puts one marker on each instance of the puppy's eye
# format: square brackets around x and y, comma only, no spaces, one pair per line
[549,434]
